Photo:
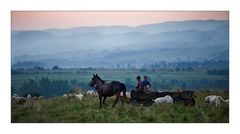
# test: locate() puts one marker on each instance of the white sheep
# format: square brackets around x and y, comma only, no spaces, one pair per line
[65,95]
[15,95]
[90,92]
[71,95]
[128,95]
[166,99]
[215,100]
[29,96]
[79,96]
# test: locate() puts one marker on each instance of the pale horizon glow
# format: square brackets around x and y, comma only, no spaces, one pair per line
[41,20]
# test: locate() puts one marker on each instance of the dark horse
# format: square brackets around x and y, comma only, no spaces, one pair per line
[108,89]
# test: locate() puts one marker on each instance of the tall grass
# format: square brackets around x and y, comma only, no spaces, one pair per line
[70,110]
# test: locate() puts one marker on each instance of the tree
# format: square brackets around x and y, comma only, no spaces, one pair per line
[29,87]
[53,87]
[190,69]
[118,65]
[38,68]
[45,86]
[55,68]
[128,65]
[177,69]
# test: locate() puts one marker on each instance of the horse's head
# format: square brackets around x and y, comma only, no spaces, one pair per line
[94,81]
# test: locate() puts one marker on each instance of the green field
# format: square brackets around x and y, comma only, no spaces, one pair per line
[57,109]
[160,79]
[70,110]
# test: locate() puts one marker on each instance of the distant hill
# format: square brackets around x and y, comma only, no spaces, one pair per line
[200,25]
[108,45]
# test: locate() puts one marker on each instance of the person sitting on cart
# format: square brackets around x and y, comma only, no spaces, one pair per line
[145,85]
[138,87]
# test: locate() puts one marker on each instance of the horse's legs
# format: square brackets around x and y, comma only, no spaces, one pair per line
[122,100]
[117,98]
[100,101]
[104,99]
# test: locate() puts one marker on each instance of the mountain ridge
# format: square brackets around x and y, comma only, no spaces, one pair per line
[199,38]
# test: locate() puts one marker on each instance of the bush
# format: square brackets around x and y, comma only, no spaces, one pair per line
[29,87]
[45,87]
[55,68]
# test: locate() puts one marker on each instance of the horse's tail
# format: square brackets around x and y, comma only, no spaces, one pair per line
[124,89]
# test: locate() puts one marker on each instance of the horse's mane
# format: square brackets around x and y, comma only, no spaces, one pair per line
[100,79]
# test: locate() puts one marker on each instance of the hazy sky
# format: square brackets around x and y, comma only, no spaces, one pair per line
[28,20]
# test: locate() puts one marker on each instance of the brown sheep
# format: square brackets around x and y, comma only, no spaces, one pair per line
[19,100]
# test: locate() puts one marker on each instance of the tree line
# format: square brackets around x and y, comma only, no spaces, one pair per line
[218,72]
[47,87]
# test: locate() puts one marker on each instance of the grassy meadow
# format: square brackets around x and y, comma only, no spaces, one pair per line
[70,110]
[56,109]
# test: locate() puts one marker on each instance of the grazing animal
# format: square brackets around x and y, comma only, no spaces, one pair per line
[29,96]
[15,95]
[166,99]
[19,100]
[65,95]
[79,96]
[40,97]
[71,95]
[105,90]
[215,100]
[90,92]
[128,95]
[227,101]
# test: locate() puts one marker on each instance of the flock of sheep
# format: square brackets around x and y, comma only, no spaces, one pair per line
[213,100]
[21,100]
[80,96]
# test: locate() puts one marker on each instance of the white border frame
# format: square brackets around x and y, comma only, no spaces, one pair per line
[199,5]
